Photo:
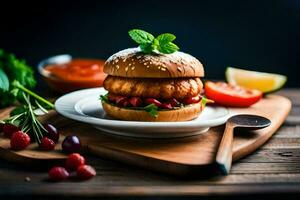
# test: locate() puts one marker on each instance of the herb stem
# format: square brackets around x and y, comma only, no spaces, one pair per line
[21,87]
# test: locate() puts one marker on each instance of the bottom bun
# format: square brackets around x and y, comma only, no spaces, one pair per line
[183,114]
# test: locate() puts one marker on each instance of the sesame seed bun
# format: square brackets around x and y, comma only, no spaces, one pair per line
[133,63]
[186,113]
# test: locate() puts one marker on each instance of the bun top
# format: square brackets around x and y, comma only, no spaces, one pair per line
[134,63]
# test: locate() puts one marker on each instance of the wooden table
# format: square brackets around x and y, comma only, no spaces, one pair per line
[273,170]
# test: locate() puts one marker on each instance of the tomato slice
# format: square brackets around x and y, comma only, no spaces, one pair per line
[231,95]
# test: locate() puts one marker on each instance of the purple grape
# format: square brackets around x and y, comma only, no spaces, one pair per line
[53,134]
[71,144]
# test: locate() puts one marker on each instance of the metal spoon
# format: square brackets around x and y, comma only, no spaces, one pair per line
[247,122]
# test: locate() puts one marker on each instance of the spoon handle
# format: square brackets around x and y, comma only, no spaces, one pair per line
[224,154]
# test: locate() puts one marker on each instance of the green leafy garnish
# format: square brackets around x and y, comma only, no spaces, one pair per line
[203,102]
[25,118]
[152,110]
[16,80]
[4,82]
[104,98]
[12,69]
[148,43]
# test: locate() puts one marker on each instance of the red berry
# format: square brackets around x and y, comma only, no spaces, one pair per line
[85,172]
[74,161]
[47,144]
[58,174]
[152,101]
[9,129]
[135,101]
[19,140]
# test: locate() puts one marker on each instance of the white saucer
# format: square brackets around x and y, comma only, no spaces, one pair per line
[85,106]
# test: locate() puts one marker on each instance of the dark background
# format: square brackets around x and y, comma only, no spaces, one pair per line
[258,35]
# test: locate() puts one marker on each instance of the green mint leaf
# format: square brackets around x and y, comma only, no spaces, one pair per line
[4,82]
[165,38]
[168,48]
[147,47]
[148,44]
[152,110]
[140,36]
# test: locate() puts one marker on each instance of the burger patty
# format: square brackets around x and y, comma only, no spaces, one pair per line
[165,88]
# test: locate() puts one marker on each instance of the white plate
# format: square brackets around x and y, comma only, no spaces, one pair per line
[85,106]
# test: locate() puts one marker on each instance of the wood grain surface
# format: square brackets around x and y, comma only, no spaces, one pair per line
[189,156]
[274,169]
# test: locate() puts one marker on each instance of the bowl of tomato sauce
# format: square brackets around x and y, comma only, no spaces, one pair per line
[65,74]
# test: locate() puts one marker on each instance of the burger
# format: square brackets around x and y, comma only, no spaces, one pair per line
[153,86]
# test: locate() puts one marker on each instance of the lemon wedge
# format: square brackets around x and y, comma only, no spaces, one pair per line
[265,82]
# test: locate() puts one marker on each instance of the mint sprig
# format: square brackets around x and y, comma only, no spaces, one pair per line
[148,43]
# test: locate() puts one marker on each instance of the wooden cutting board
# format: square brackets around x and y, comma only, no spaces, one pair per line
[182,156]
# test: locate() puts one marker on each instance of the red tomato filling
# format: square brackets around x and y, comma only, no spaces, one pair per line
[124,101]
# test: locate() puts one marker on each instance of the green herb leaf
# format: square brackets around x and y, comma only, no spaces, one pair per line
[168,48]
[15,69]
[18,110]
[152,110]
[104,98]
[147,47]
[149,44]
[165,38]
[4,82]
[140,36]
[203,102]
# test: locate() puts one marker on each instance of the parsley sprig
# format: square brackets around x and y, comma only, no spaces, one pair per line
[16,80]
[148,43]
[11,69]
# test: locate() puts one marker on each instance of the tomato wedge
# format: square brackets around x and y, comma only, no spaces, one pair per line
[231,95]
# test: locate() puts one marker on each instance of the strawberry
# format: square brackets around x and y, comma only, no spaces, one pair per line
[135,101]
[74,161]
[19,140]
[47,144]
[58,174]
[9,129]
[85,172]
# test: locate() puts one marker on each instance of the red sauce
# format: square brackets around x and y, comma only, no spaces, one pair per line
[76,74]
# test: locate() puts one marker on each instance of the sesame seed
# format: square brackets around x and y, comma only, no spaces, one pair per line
[148,66]
[132,68]
[126,69]
[145,63]
[163,69]
[179,69]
